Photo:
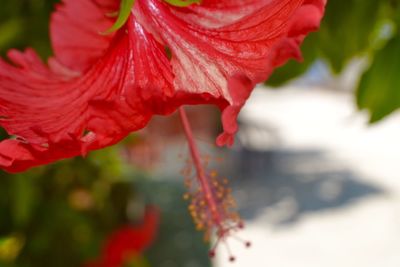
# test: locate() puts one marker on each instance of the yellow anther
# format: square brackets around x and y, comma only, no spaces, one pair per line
[211,206]
[199,226]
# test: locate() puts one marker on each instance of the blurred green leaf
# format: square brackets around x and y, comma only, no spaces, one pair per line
[24,23]
[10,30]
[379,89]
[10,247]
[346,30]
[23,199]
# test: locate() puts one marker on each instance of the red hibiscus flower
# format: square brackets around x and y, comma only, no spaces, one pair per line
[98,88]
[168,53]
[128,242]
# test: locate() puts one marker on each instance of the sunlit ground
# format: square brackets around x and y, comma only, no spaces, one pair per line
[316,185]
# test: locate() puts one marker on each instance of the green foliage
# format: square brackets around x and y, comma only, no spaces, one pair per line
[346,30]
[24,23]
[350,29]
[379,89]
[59,215]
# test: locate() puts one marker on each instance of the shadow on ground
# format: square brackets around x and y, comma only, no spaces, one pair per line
[282,186]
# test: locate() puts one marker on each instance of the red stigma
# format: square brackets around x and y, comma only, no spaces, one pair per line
[211,253]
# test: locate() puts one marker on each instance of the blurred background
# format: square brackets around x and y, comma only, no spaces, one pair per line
[315,168]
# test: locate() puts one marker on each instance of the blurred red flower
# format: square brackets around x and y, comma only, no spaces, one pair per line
[128,242]
[98,88]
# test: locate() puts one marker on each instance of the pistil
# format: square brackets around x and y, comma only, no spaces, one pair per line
[211,204]
[201,174]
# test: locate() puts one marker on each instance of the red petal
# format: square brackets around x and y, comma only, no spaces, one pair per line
[56,116]
[216,13]
[219,41]
[130,240]
[75,28]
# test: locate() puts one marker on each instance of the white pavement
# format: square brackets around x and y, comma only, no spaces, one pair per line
[317,186]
